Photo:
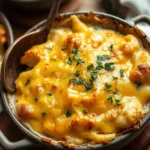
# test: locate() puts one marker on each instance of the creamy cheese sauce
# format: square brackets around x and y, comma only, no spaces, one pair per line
[83,84]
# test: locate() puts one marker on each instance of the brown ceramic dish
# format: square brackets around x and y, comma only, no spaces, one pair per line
[31,139]
[9,34]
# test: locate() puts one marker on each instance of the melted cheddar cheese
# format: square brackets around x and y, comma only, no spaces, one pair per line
[83,84]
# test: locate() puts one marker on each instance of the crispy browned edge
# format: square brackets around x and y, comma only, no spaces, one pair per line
[122,29]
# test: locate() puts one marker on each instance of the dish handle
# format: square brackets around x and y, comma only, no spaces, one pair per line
[6,144]
[141,18]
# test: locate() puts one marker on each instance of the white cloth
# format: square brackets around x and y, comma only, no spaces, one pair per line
[138,7]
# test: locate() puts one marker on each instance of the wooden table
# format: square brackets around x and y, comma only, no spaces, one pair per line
[21,22]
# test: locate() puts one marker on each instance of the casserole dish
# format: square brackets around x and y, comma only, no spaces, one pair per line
[7,34]
[111,23]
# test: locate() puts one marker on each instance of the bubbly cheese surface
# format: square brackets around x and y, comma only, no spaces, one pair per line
[83,84]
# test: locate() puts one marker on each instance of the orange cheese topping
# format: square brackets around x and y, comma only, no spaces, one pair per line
[83,84]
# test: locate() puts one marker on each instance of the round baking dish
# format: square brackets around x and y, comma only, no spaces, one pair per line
[9,35]
[9,32]
[32,139]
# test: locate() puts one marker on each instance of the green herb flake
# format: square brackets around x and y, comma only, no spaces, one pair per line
[85,111]
[76,105]
[95,70]
[68,113]
[109,66]
[108,86]
[115,77]
[43,114]
[100,66]
[49,94]
[27,82]
[121,73]
[90,66]
[80,62]
[79,81]
[64,48]
[94,76]
[138,85]
[107,56]
[96,27]
[36,99]
[110,99]
[75,51]
[77,73]
[102,58]
[87,86]
[111,47]
[69,61]
[118,102]
[48,47]
[73,80]
[75,57]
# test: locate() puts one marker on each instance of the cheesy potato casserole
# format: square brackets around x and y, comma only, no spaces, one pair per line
[85,84]
[2,42]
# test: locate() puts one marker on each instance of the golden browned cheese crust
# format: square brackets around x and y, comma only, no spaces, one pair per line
[83,84]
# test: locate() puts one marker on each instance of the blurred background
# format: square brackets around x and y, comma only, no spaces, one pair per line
[23,14]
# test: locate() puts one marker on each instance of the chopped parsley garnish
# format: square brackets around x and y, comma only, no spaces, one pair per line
[90,66]
[96,27]
[64,47]
[95,70]
[138,85]
[118,102]
[68,113]
[109,66]
[87,86]
[27,82]
[77,81]
[48,47]
[75,57]
[77,73]
[111,47]
[72,80]
[100,66]
[85,111]
[69,61]
[49,93]
[110,99]
[43,114]
[121,73]
[115,77]
[75,51]
[108,86]
[80,62]
[36,99]
[102,58]
[94,76]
